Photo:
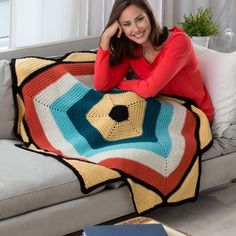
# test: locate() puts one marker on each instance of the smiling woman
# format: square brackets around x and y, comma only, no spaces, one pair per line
[163,60]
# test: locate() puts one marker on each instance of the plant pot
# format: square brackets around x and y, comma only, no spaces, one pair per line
[201,41]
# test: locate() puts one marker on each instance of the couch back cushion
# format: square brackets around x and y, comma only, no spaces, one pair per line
[219,74]
[7,113]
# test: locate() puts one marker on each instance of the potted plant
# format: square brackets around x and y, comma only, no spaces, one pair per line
[200,26]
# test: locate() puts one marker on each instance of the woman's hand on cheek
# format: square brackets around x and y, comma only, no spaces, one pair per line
[109,33]
[113,29]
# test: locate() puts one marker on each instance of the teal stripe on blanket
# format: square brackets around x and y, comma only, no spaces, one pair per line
[61,118]
[162,129]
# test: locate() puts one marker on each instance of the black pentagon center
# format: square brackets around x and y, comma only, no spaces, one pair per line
[119,113]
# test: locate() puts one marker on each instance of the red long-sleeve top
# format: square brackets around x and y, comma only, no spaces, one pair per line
[174,71]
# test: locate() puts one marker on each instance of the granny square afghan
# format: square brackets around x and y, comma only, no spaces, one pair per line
[154,145]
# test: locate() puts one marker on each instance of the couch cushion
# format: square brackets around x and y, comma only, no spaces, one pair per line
[6,102]
[30,181]
[219,73]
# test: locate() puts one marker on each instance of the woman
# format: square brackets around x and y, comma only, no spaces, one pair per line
[163,60]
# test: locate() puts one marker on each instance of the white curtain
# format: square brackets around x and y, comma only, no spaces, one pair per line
[40,21]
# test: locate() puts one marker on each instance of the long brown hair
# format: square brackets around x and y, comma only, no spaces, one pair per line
[124,47]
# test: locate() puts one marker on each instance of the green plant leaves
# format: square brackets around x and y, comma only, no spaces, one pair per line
[200,24]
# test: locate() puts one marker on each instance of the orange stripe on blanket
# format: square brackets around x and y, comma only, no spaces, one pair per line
[30,90]
[136,170]
[84,69]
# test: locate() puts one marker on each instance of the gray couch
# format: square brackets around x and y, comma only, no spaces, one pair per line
[41,196]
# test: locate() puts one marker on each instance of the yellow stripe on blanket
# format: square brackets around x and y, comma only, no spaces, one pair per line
[81,57]
[20,124]
[205,130]
[152,199]
[188,187]
[26,66]
[87,170]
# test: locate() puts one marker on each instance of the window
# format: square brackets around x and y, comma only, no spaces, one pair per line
[4,23]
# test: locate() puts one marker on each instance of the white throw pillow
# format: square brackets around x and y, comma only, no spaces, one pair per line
[219,74]
[6,102]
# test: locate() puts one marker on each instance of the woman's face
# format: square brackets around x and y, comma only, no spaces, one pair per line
[135,24]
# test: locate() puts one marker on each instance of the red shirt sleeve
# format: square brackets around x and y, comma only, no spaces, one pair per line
[175,57]
[105,77]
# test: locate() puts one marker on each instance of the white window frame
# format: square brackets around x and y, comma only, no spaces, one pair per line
[4,38]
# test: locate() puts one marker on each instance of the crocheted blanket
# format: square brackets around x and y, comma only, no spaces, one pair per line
[153,145]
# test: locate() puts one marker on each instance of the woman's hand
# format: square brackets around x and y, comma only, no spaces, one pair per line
[109,32]
[112,30]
